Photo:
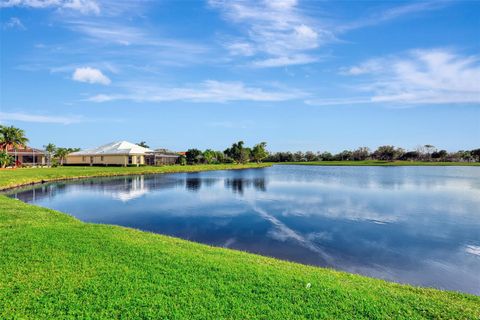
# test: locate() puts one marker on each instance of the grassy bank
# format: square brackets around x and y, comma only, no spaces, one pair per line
[54,266]
[381,163]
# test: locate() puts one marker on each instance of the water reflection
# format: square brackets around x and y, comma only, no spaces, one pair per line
[407,224]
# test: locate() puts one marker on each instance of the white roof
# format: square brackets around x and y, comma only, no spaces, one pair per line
[120,147]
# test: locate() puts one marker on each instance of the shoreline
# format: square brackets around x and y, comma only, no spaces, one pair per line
[380,163]
[150,170]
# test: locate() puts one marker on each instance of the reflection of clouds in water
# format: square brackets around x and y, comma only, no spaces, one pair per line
[460,188]
[282,232]
[386,178]
[338,206]
[475,250]
[129,195]
[229,242]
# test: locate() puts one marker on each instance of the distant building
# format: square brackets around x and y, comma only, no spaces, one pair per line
[27,156]
[121,153]
[161,157]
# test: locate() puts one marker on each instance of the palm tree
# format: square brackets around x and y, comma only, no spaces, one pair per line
[13,137]
[61,154]
[50,148]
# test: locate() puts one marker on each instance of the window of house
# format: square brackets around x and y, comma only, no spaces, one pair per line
[101,158]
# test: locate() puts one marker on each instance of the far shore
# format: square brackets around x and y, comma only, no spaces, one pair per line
[380,163]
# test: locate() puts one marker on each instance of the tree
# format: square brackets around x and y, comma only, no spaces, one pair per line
[143,144]
[388,153]
[361,154]
[439,155]
[50,149]
[220,156]
[209,156]
[344,155]
[61,154]
[182,160]
[259,152]
[245,155]
[13,137]
[475,153]
[193,156]
[310,156]
[5,159]
[237,152]
[326,156]
[411,155]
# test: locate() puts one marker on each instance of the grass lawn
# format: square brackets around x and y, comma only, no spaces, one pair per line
[54,266]
[381,163]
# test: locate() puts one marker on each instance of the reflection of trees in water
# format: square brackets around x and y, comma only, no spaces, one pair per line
[193,184]
[238,185]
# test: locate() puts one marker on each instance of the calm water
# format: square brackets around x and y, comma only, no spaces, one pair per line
[418,225]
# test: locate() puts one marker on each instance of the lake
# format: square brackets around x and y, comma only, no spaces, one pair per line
[416,225]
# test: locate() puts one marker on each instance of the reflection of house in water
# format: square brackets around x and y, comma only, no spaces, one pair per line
[133,188]
[120,188]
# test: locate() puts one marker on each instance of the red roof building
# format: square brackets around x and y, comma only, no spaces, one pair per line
[27,156]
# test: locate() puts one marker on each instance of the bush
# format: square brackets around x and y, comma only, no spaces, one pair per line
[6,160]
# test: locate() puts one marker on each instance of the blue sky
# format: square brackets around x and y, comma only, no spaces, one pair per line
[301,75]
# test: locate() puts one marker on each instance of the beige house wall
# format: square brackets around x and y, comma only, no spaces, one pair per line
[105,160]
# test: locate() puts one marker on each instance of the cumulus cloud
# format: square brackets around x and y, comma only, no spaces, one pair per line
[90,75]
[435,76]
[207,91]
[82,6]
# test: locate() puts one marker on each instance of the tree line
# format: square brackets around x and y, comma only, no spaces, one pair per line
[237,153]
[13,137]
[386,153]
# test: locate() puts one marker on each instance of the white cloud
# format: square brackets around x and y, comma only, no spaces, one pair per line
[241,49]
[278,32]
[207,91]
[393,13]
[25,117]
[284,61]
[90,75]
[82,6]
[14,23]
[275,30]
[436,76]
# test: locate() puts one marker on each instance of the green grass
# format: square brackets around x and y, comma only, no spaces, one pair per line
[54,266]
[381,163]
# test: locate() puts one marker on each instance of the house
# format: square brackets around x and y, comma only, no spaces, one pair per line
[161,157]
[121,153]
[27,156]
